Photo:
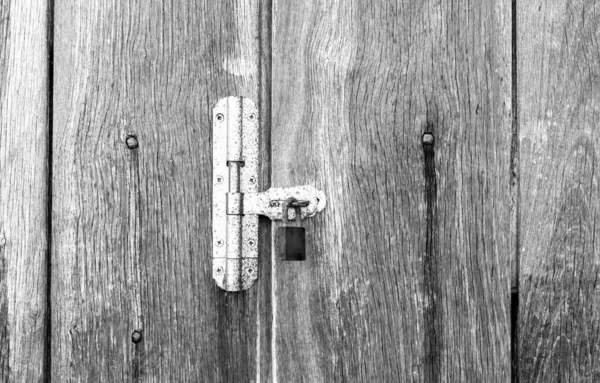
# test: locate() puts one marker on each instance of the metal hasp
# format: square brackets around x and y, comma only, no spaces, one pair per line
[236,200]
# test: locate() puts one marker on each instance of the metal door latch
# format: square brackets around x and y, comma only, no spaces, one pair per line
[237,203]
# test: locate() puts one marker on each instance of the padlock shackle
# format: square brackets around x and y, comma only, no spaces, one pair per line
[285,206]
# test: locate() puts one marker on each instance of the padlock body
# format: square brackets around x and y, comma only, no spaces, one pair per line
[291,243]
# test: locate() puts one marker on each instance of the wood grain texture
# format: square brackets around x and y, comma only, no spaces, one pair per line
[24,137]
[131,241]
[408,269]
[559,104]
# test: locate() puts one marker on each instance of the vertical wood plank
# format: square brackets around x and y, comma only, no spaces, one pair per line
[408,269]
[559,100]
[24,137]
[136,82]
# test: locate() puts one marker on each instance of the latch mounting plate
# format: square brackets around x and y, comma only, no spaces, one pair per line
[236,200]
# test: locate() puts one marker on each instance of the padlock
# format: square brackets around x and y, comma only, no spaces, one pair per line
[291,240]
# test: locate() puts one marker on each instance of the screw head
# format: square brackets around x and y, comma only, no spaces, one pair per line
[131,141]
[252,180]
[220,117]
[219,270]
[219,242]
[251,117]
[251,242]
[219,179]
[136,336]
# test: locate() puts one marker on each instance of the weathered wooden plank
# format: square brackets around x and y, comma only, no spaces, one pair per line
[132,235]
[559,99]
[24,138]
[408,269]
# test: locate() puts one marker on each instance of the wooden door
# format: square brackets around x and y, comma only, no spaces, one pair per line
[408,277]
[455,142]
[134,86]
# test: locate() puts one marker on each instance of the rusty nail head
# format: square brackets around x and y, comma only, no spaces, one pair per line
[428,138]
[219,179]
[136,337]
[131,142]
